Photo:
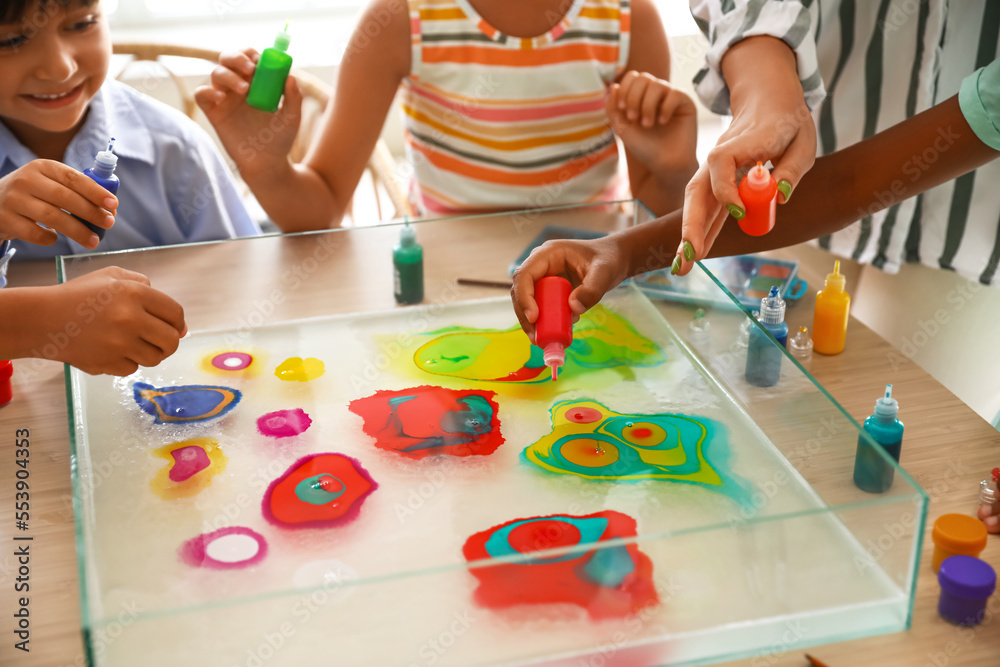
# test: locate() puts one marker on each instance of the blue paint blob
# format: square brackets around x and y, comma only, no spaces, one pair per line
[609,567]
[186,404]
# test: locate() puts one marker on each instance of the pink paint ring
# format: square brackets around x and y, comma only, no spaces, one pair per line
[232,361]
[225,549]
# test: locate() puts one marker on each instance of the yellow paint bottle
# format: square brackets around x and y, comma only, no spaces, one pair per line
[830,320]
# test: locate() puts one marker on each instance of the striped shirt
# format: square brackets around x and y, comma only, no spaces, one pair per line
[499,122]
[866,66]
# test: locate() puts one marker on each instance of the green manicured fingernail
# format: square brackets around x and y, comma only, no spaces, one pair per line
[676,266]
[735,211]
[688,251]
[786,189]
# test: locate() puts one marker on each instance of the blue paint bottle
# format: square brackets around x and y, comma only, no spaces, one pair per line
[763,356]
[872,473]
[103,173]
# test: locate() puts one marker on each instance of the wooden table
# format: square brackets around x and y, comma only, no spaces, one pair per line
[947,447]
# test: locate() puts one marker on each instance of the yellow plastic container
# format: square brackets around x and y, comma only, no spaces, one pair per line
[833,305]
[957,535]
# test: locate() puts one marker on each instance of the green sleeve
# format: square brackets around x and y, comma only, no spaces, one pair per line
[979,98]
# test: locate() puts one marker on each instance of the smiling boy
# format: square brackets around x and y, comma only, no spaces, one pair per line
[57,110]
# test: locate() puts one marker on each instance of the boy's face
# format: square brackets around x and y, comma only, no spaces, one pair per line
[54,60]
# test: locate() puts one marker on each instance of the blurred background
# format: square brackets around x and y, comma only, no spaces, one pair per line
[948,325]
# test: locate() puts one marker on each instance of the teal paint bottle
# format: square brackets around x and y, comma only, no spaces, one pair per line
[763,357]
[408,267]
[268,82]
[872,473]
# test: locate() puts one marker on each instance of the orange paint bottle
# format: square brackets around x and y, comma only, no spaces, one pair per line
[759,193]
[833,306]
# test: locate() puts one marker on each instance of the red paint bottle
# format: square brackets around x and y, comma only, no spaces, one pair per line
[554,328]
[759,193]
[6,392]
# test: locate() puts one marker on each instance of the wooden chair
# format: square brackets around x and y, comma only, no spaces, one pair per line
[316,95]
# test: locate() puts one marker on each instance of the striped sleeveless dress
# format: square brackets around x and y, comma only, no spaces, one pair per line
[499,122]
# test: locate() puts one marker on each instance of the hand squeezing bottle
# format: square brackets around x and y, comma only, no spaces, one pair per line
[554,328]
[103,173]
[759,193]
[273,67]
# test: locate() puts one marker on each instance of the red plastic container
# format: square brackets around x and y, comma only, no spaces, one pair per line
[554,328]
[6,371]
[759,192]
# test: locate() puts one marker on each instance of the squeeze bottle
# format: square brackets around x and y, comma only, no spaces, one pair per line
[268,81]
[103,173]
[830,319]
[554,328]
[759,193]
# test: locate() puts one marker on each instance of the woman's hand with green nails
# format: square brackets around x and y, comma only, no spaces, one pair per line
[770,122]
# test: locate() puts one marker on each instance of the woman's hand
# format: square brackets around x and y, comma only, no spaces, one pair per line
[770,122]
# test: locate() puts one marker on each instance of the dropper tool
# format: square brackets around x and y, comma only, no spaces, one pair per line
[886,408]
[758,177]
[801,345]
[407,235]
[772,307]
[282,40]
[105,161]
[554,356]
[699,329]
[836,281]
[987,492]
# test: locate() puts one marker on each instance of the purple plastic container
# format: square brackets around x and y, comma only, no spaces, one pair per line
[966,585]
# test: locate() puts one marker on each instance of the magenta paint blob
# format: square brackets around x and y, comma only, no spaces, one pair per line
[284,423]
[188,462]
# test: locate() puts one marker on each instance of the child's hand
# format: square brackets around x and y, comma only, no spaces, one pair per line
[113,321]
[990,516]
[256,140]
[657,123]
[593,268]
[42,191]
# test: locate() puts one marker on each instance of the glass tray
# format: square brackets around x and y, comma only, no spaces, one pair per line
[744,536]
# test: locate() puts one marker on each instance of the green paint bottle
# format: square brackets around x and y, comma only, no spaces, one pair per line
[269,78]
[408,267]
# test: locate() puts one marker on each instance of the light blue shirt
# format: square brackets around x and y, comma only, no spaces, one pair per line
[175,188]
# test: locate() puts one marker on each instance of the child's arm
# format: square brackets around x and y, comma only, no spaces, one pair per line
[315,193]
[109,321]
[657,124]
[990,516]
[867,177]
[42,191]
